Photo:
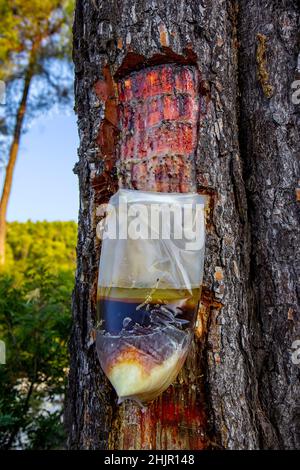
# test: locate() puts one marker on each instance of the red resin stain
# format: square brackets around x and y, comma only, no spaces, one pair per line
[105,183]
[173,421]
[158,116]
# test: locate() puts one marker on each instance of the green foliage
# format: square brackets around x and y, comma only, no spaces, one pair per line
[8,33]
[43,26]
[35,298]
[46,432]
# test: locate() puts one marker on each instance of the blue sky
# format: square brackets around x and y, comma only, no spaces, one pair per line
[44,185]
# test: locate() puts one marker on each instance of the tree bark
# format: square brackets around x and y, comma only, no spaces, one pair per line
[231,391]
[270,149]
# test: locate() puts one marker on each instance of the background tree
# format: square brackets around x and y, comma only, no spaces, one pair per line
[35,298]
[34,50]
[239,387]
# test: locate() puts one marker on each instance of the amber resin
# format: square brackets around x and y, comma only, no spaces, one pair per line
[143,337]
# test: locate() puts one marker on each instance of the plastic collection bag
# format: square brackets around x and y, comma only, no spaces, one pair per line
[149,287]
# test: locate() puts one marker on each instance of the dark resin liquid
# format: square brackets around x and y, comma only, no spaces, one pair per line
[143,337]
[139,311]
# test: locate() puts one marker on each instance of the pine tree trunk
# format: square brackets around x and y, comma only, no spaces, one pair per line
[270,149]
[238,388]
[13,154]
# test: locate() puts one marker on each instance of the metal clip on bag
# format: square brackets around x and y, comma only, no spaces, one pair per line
[149,286]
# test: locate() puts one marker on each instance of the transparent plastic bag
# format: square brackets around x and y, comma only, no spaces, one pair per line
[149,287]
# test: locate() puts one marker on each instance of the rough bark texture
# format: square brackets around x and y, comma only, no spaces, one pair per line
[239,387]
[270,149]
